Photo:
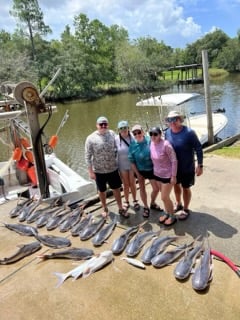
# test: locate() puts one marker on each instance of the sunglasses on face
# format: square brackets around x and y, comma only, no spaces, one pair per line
[135,133]
[104,124]
[154,134]
[123,128]
[173,119]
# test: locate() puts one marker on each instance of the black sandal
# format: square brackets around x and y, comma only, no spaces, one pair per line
[163,218]
[155,206]
[172,219]
[136,205]
[123,213]
[146,212]
[126,205]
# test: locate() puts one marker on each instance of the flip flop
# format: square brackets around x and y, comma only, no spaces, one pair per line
[163,218]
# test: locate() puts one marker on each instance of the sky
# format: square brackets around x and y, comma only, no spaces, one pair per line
[175,22]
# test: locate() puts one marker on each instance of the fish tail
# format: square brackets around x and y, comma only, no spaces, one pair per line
[61,278]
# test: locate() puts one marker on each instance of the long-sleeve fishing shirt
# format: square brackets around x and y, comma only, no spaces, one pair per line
[185,144]
[100,152]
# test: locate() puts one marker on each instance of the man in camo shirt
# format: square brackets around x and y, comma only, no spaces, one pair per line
[100,157]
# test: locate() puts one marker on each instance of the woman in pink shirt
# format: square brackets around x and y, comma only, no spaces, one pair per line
[165,170]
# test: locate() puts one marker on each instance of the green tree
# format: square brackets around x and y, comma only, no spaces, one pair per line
[30,16]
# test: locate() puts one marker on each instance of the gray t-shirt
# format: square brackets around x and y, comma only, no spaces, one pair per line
[100,152]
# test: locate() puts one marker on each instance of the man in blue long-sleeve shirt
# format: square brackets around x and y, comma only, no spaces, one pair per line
[186,144]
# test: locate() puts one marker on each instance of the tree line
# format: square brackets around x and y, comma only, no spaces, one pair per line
[95,59]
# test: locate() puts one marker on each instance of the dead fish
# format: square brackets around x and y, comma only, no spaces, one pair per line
[16,211]
[55,220]
[185,265]
[165,258]
[98,263]
[74,273]
[43,219]
[53,241]
[22,229]
[75,230]
[37,213]
[203,273]
[158,245]
[134,262]
[135,246]
[70,220]
[91,229]
[120,243]
[104,233]
[71,253]
[26,211]
[24,251]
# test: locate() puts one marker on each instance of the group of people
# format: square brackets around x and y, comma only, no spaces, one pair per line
[167,162]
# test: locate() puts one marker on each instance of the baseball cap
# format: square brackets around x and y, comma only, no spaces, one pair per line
[102,120]
[155,130]
[136,127]
[122,124]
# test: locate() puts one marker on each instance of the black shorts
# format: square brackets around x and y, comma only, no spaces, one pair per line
[112,179]
[187,180]
[147,174]
[162,180]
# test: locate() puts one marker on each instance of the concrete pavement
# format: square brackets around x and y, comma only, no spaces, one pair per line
[121,291]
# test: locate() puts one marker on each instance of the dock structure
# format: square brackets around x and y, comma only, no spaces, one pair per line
[189,74]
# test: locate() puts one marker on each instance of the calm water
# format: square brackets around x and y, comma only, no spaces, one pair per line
[82,117]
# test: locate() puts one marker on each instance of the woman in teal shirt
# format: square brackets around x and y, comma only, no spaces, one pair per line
[142,166]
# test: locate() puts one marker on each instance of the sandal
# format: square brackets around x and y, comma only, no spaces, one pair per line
[177,208]
[136,205]
[123,213]
[126,205]
[146,212]
[184,214]
[154,206]
[163,218]
[171,218]
[105,212]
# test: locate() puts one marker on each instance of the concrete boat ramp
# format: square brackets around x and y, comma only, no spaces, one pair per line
[120,290]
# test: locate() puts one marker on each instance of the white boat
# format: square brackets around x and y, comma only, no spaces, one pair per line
[34,169]
[176,101]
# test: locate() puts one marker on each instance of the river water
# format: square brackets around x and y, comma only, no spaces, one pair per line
[225,94]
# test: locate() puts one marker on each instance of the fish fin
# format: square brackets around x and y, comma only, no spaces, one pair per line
[61,278]
[87,273]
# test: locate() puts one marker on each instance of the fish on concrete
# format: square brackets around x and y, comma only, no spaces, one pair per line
[202,275]
[55,220]
[87,268]
[92,228]
[27,210]
[120,243]
[21,229]
[71,253]
[135,246]
[185,265]
[134,262]
[71,220]
[101,260]
[165,258]
[77,228]
[102,235]
[53,241]
[158,245]
[17,210]
[24,251]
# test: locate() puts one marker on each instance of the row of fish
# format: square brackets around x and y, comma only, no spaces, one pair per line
[86,227]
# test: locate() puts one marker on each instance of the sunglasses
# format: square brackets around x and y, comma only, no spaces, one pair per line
[104,124]
[154,134]
[123,128]
[135,133]
[173,119]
